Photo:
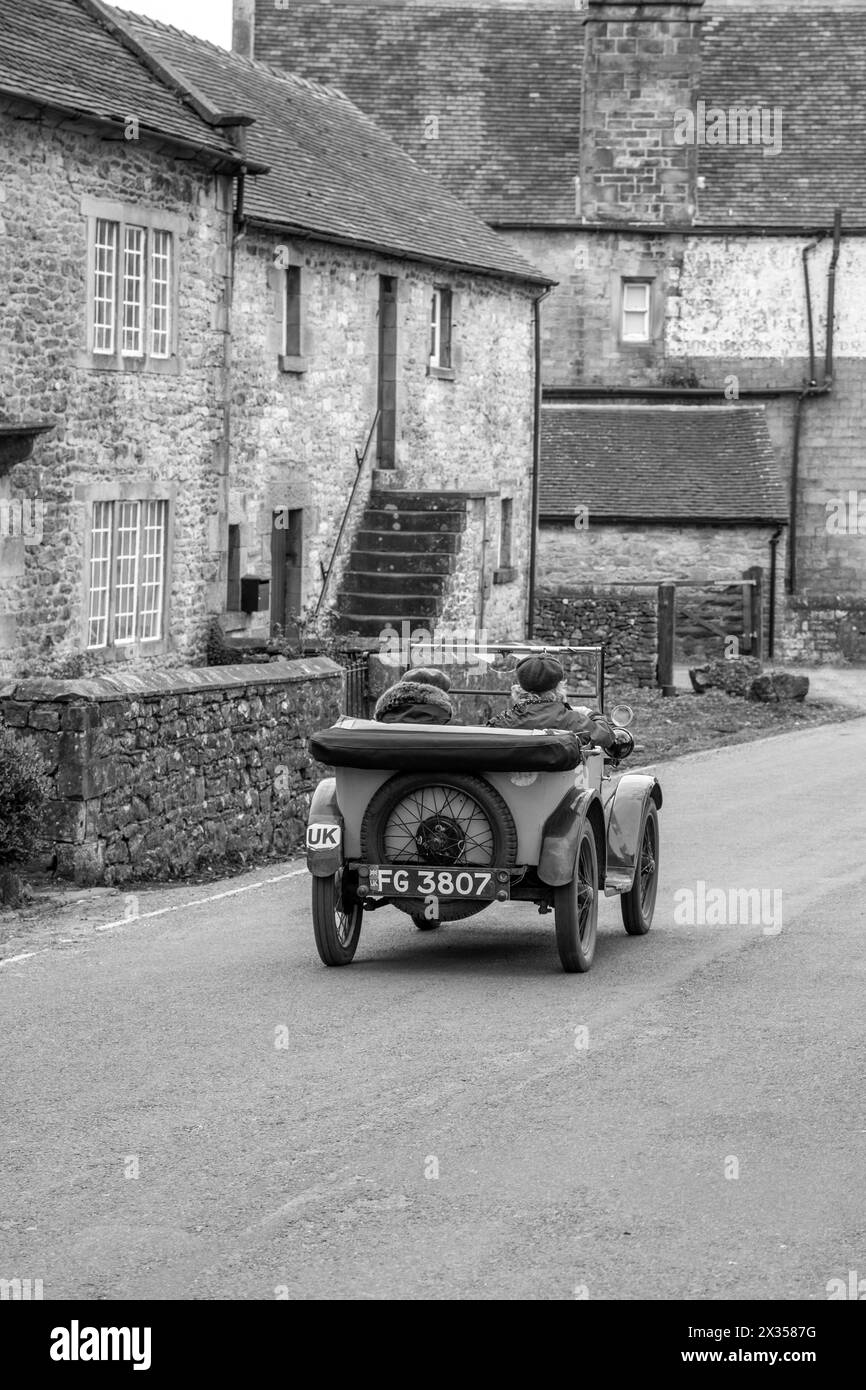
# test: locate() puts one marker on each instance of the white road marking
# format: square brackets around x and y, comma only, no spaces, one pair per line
[12,959]
[200,902]
[175,907]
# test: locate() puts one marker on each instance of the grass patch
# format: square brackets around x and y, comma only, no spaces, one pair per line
[668,727]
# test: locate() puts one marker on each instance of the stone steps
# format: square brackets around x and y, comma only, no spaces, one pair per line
[381,498]
[439,542]
[367,625]
[405,548]
[391,605]
[401,562]
[401,519]
[368,582]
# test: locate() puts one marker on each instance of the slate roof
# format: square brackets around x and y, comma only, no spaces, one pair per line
[811,64]
[660,463]
[506,85]
[332,172]
[67,55]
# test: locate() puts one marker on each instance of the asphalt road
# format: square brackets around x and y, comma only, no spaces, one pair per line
[195,1108]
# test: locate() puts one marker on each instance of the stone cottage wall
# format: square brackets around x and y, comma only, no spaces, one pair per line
[158,776]
[720,326]
[295,430]
[696,558]
[158,428]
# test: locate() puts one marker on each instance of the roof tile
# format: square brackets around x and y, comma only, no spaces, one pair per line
[506,87]
[660,463]
[61,54]
[333,172]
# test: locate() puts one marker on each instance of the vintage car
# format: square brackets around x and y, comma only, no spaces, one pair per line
[444,821]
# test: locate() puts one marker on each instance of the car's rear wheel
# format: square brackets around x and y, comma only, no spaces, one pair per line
[450,818]
[575,906]
[637,906]
[336,920]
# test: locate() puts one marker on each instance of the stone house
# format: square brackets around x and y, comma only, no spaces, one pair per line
[202,308]
[682,493]
[115,216]
[676,168]
[356,298]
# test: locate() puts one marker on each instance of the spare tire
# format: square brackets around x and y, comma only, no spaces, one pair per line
[447,818]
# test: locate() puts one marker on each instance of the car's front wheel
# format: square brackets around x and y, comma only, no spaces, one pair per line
[638,904]
[575,907]
[336,920]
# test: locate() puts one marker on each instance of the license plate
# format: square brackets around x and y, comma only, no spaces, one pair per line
[393,881]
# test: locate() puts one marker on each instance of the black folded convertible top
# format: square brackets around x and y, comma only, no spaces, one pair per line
[445,748]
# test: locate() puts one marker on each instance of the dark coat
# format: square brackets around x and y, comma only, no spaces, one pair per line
[550,712]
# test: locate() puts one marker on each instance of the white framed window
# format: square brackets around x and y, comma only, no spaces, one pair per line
[440,328]
[132,314]
[104,285]
[636,311]
[160,293]
[127,572]
[132,291]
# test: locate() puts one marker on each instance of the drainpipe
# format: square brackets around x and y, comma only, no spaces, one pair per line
[235,228]
[536,463]
[831,296]
[812,390]
[806,253]
[771,635]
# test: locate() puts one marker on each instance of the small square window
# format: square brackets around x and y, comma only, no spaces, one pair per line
[636,307]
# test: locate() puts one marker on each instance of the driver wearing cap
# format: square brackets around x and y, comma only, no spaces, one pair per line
[539,701]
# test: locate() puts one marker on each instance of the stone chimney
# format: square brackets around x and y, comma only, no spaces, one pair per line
[642,61]
[244,27]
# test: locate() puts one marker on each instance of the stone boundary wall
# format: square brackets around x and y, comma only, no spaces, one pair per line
[822,629]
[161,775]
[622,619]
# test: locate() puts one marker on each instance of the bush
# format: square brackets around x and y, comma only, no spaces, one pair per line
[24,789]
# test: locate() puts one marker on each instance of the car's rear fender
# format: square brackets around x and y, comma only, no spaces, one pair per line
[561,837]
[625,812]
[325,831]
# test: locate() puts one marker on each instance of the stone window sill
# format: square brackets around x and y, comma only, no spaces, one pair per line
[295,365]
[159,366]
[134,651]
[442,373]
[504,576]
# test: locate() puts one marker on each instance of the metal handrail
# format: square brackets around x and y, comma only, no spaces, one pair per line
[360,460]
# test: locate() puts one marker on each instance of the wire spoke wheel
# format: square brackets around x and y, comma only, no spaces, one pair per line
[453,818]
[337,918]
[638,905]
[575,907]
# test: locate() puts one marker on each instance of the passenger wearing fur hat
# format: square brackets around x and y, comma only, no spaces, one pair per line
[539,701]
[419,697]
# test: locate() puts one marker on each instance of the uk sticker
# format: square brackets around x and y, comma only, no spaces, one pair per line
[324,836]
